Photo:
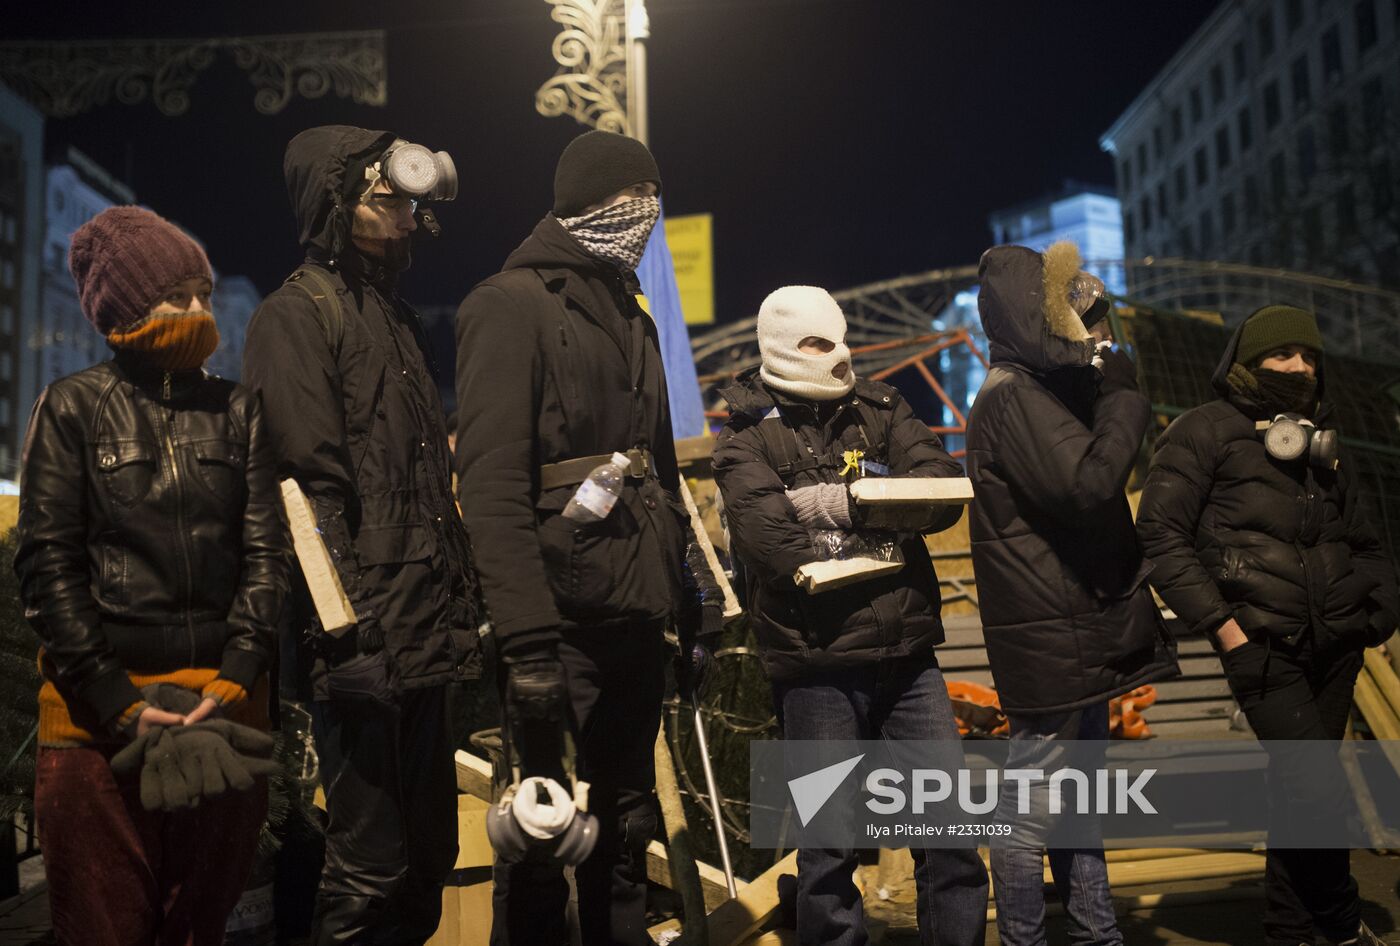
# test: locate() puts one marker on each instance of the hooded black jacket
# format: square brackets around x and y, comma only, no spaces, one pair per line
[1068,616]
[149,532]
[1278,546]
[556,360]
[357,421]
[892,616]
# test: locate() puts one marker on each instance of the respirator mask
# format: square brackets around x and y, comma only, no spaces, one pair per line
[412,171]
[1290,437]
[537,819]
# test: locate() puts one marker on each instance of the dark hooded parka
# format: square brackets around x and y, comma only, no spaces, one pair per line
[356,419]
[1069,619]
[882,619]
[1280,546]
[556,360]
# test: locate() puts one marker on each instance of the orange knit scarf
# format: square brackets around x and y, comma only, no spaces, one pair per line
[175,342]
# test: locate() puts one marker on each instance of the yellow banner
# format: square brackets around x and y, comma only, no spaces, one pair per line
[691,239]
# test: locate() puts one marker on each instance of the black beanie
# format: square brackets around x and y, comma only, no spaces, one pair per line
[597,165]
[1275,326]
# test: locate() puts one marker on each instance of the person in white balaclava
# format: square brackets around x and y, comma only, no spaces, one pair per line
[856,662]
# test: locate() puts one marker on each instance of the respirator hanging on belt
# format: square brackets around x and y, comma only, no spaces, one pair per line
[1289,437]
[412,171]
[537,818]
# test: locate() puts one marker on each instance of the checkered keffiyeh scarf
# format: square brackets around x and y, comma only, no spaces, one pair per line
[617,234]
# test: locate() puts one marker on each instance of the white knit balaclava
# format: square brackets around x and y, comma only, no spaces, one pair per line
[786,317]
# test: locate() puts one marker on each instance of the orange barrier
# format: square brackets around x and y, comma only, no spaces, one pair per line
[978,711]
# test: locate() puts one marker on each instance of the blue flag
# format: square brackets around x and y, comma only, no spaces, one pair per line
[658,278]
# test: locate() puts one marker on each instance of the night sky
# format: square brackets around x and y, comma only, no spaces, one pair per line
[836,142]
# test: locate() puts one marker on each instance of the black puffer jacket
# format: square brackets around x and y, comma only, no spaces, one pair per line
[893,616]
[556,361]
[1069,619]
[150,537]
[355,418]
[1278,546]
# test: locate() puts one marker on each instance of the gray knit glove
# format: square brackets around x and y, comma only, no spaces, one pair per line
[824,506]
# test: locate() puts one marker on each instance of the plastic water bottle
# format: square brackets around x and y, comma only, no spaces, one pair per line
[596,495]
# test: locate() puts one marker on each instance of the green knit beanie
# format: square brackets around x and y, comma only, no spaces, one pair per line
[1275,326]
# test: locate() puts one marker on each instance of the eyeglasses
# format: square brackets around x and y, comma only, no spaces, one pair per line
[396,202]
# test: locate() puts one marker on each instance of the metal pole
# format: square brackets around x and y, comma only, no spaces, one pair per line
[716,802]
[638,32]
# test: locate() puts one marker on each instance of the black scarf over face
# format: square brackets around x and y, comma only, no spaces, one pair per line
[1275,392]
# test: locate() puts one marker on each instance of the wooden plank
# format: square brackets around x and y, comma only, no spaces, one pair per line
[473,775]
[712,882]
[736,920]
[1383,675]
[1189,710]
[1193,867]
[322,580]
[1379,716]
[970,658]
[1197,729]
[916,490]
[1204,688]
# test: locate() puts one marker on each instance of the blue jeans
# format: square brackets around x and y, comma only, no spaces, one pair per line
[892,700]
[1081,876]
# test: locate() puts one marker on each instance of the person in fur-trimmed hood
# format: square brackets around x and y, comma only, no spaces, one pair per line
[1069,619]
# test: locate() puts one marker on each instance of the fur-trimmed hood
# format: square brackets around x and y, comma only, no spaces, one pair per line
[1025,309]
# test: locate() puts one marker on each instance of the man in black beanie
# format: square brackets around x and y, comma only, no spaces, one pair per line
[558,368]
[1266,551]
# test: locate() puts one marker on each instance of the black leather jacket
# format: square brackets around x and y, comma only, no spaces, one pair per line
[150,537]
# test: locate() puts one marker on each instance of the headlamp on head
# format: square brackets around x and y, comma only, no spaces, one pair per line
[1084,290]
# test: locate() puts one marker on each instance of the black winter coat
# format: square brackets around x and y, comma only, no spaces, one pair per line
[1068,617]
[1278,546]
[150,537]
[893,616]
[358,422]
[556,360]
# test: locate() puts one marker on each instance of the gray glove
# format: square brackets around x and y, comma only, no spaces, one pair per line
[171,698]
[179,765]
[212,759]
[824,506]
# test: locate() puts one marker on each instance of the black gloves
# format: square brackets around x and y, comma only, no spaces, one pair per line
[693,671]
[1119,372]
[180,765]
[535,688]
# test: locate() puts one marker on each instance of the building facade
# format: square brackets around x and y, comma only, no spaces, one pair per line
[21,237]
[1088,215]
[235,298]
[77,190]
[1272,138]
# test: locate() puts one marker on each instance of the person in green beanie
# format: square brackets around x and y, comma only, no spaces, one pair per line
[1267,552]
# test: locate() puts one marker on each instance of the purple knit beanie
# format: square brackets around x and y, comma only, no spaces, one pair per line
[124,258]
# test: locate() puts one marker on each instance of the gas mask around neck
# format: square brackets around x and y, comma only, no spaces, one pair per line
[790,315]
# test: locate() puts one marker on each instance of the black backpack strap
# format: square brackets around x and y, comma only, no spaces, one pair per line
[323,294]
[785,450]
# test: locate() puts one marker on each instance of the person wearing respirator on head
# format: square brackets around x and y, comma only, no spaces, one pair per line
[152,566]
[344,371]
[1259,541]
[856,662]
